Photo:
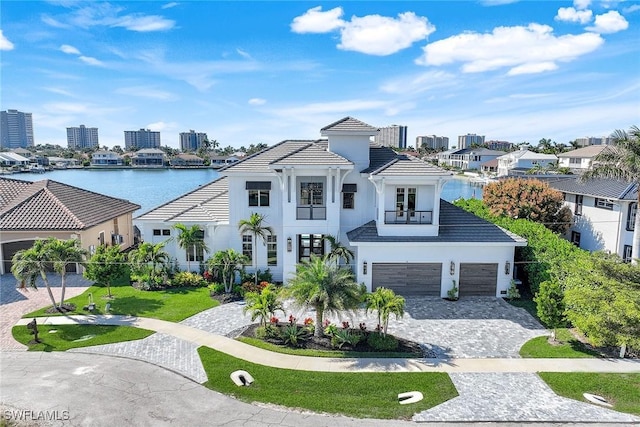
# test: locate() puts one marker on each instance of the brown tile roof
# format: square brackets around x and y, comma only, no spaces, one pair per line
[312,154]
[51,205]
[350,124]
[209,202]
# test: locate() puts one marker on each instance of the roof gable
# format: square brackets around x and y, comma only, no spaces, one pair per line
[311,155]
[403,165]
[349,124]
[605,188]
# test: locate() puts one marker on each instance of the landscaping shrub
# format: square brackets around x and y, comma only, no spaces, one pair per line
[382,342]
[346,336]
[270,331]
[293,335]
[216,288]
[186,279]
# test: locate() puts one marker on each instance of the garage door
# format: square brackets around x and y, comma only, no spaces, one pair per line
[478,279]
[408,278]
[9,249]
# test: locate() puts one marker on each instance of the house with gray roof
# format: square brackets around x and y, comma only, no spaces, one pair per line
[520,162]
[46,208]
[384,206]
[604,213]
[468,158]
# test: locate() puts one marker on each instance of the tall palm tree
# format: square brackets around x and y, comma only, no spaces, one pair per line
[385,302]
[337,250]
[325,287]
[226,264]
[190,238]
[621,160]
[61,254]
[149,256]
[255,225]
[28,263]
[263,304]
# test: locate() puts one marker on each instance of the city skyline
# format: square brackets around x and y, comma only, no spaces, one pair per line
[260,72]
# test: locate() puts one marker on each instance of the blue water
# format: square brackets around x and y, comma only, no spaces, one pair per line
[151,188]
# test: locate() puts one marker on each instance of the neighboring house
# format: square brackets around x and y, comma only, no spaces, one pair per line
[385,206]
[148,158]
[220,161]
[42,209]
[186,160]
[106,158]
[467,158]
[580,159]
[604,213]
[10,159]
[522,161]
[62,163]
[489,167]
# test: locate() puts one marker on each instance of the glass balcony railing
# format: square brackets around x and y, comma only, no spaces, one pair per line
[311,213]
[408,217]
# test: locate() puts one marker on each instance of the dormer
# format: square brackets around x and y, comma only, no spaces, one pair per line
[350,138]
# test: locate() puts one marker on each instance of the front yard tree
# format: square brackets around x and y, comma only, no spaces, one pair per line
[225,264]
[325,287]
[385,303]
[263,304]
[255,226]
[621,160]
[550,305]
[63,253]
[529,199]
[337,250]
[149,259]
[27,264]
[105,266]
[191,239]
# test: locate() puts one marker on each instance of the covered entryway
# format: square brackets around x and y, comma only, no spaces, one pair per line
[478,279]
[408,278]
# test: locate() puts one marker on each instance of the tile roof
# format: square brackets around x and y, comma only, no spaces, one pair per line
[51,205]
[587,152]
[403,165]
[209,202]
[606,188]
[350,124]
[456,226]
[311,154]
[526,154]
[259,162]
[481,151]
[379,156]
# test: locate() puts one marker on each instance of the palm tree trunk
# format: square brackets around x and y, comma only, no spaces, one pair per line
[46,284]
[63,285]
[635,249]
[317,332]
[255,257]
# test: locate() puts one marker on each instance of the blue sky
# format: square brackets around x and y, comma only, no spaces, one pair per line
[261,72]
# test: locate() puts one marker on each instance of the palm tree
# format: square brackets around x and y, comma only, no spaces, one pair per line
[621,160]
[337,250]
[191,239]
[263,304]
[61,254]
[150,257]
[385,302]
[226,264]
[256,227]
[28,263]
[325,287]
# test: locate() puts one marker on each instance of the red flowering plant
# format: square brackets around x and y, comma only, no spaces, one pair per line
[308,324]
[345,325]
[292,320]
[363,327]
[274,320]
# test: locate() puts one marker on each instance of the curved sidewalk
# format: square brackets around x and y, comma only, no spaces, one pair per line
[264,357]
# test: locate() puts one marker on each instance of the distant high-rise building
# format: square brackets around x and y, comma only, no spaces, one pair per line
[466,141]
[593,140]
[191,141]
[16,129]
[82,137]
[392,136]
[143,138]
[433,142]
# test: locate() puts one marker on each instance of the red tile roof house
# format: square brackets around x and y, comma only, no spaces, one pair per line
[384,206]
[42,209]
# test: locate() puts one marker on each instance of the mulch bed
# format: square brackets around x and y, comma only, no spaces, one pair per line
[66,308]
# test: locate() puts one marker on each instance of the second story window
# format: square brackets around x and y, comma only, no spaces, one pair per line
[311,204]
[604,204]
[247,248]
[259,192]
[578,208]
[631,216]
[348,196]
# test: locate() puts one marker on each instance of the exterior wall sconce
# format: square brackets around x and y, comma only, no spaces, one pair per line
[507,267]
[364,267]
[289,244]
[452,268]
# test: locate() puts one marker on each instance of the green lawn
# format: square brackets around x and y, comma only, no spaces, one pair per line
[568,347]
[172,305]
[320,353]
[621,390]
[360,395]
[74,336]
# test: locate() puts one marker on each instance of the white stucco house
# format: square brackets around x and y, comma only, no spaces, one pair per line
[385,206]
[604,214]
[520,162]
[467,158]
[580,159]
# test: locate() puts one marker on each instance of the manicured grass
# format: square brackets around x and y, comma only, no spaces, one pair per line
[567,347]
[86,335]
[173,305]
[360,395]
[620,390]
[320,353]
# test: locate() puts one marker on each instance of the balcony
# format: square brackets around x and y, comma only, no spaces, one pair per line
[408,217]
[311,213]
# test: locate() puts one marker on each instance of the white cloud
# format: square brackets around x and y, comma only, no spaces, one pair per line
[146,92]
[430,80]
[497,2]
[243,54]
[531,49]
[169,5]
[144,24]
[350,107]
[610,22]
[5,44]
[581,4]
[381,35]
[257,101]
[316,21]
[570,14]
[631,8]
[91,61]
[161,126]
[70,50]
[52,22]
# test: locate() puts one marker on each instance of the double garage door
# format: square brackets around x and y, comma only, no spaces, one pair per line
[408,278]
[424,279]
[9,249]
